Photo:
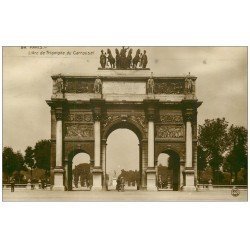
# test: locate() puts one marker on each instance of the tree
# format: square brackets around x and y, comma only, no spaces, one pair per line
[19,159]
[29,159]
[201,160]
[9,161]
[42,155]
[213,138]
[237,156]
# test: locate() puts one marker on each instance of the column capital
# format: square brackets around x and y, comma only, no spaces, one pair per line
[151,107]
[189,115]
[59,113]
[97,107]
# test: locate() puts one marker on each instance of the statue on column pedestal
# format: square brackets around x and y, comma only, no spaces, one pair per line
[58,86]
[98,85]
[150,85]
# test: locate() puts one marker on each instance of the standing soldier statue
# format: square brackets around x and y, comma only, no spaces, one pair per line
[150,84]
[98,85]
[144,60]
[102,59]
[58,85]
[189,85]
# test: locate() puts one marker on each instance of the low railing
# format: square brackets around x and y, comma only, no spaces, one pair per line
[26,186]
[201,186]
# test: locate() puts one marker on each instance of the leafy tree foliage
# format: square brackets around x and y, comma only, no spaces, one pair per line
[29,157]
[130,176]
[9,161]
[201,158]
[42,154]
[237,157]
[214,140]
[220,145]
[12,162]
[82,171]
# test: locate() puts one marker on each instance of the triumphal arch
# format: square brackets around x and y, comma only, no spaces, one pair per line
[160,110]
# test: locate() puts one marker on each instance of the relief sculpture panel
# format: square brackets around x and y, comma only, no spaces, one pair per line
[79,117]
[169,88]
[79,130]
[169,131]
[171,118]
[137,119]
[79,86]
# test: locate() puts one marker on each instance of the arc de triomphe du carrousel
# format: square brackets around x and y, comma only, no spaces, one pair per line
[160,110]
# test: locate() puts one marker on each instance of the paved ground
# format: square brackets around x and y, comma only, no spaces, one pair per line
[47,195]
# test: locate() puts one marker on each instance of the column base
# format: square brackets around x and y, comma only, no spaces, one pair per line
[58,180]
[58,188]
[97,179]
[151,179]
[189,188]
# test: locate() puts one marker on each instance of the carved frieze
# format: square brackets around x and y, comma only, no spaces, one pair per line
[171,118]
[79,130]
[79,86]
[169,88]
[79,117]
[169,131]
[138,119]
[110,118]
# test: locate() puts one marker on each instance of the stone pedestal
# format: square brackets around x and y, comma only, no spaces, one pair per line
[97,179]
[114,182]
[58,180]
[28,185]
[189,180]
[151,179]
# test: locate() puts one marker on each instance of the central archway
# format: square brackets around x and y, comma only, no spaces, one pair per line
[123,155]
[123,158]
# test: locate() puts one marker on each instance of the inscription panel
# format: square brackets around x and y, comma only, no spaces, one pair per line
[122,87]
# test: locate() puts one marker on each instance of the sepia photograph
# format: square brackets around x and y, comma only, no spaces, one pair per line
[125,123]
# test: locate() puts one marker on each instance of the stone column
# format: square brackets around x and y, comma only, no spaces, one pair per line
[144,149]
[189,184]
[150,143]
[182,170]
[151,106]
[66,175]
[151,172]
[58,171]
[104,145]
[97,170]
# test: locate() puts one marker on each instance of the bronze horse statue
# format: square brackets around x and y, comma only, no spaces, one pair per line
[136,59]
[111,59]
[123,58]
[129,59]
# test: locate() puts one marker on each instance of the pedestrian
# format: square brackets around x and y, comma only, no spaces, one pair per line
[118,184]
[12,184]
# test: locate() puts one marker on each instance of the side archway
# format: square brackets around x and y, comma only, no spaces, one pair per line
[78,170]
[168,170]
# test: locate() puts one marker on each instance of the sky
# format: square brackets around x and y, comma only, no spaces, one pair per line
[221,85]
